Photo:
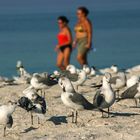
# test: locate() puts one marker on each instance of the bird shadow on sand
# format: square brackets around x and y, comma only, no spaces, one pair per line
[134,106]
[57,97]
[125,114]
[29,129]
[57,120]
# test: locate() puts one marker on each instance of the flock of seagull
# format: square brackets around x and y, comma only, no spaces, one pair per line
[113,80]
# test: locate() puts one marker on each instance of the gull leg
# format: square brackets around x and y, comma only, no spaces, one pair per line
[4,134]
[77,88]
[72,117]
[32,118]
[136,103]
[38,120]
[108,112]
[117,96]
[76,115]
[102,113]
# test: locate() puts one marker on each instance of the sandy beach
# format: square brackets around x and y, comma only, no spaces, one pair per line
[98,41]
[123,123]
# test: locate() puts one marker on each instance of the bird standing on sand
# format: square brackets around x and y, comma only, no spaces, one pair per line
[105,97]
[132,81]
[21,70]
[42,82]
[24,77]
[34,103]
[72,99]
[117,82]
[6,112]
[113,69]
[72,69]
[89,71]
[134,69]
[82,77]
[77,79]
[132,92]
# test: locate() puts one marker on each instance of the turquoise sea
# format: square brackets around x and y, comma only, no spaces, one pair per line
[28,32]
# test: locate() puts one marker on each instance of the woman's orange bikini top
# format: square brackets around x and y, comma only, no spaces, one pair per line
[62,39]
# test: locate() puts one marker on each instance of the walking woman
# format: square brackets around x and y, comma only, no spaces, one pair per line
[64,46]
[83,35]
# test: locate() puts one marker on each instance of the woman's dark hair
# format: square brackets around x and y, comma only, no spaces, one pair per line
[63,19]
[84,10]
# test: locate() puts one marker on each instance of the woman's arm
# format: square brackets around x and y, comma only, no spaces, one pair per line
[88,27]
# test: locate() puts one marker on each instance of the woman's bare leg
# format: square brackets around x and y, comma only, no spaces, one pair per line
[67,53]
[60,58]
[82,59]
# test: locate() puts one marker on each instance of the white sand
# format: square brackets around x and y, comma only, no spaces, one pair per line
[122,126]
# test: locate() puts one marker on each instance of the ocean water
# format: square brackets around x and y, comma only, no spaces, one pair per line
[30,36]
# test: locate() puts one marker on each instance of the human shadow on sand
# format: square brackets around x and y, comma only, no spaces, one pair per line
[57,120]
[29,129]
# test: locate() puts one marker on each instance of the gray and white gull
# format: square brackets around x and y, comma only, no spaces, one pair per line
[24,77]
[105,97]
[72,99]
[112,70]
[6,112]
[42,82]
[132,92]
[132,80]
[33,103]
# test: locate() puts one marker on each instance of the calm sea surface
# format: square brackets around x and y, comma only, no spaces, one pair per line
[31,37]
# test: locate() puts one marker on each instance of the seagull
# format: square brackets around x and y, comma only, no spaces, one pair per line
[119,81]
[89,71]
[93,71]
[132,81]
[72,99]
[72,69]
[22,72]
[105,97]
[33,103]
[132,92]
[42,81]
[24,77]
[82,77]
[77,79]
[134,69]
[4,81]
[112,70]
[6,112]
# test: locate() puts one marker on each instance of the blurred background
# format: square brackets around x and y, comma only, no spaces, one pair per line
[28,31]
